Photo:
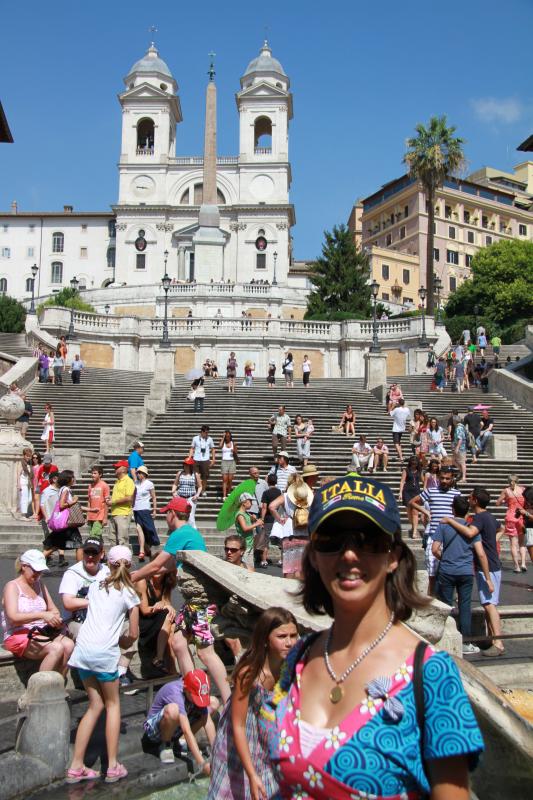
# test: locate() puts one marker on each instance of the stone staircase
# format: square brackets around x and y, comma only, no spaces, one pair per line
[14,344]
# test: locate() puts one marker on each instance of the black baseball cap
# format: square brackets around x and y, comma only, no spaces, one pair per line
[93,543]
[368,498]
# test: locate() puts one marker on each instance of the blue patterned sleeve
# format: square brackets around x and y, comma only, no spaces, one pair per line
[451,727]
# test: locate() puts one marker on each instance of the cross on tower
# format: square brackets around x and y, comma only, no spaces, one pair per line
[152,29]
[211,70]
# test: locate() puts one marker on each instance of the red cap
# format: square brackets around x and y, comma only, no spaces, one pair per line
[197,684]
[178,504]
[121,464]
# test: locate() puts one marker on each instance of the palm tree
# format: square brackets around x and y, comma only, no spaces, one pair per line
[434,154]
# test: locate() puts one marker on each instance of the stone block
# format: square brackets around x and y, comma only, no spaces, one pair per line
[420,361]
[112,441]
[79,461]
[502,447]
[375,370]
[164,364]
[44,703]
[155,405]
[160,387]
[135,420]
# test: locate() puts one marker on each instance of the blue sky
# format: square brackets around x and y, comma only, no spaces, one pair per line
[362,75]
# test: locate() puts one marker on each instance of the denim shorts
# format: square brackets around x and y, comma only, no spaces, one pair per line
[485,597]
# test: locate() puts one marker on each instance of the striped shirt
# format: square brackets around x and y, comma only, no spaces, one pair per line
[282,476]
[440,505]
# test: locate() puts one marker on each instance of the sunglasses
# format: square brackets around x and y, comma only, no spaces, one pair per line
[362,541]
[232,549]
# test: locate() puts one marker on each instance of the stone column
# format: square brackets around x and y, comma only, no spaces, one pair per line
[11,447]
[164,364]
[45,733]
[210,146]
[375,370]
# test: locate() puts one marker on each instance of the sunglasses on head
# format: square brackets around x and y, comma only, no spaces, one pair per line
[372,543]
[232,549]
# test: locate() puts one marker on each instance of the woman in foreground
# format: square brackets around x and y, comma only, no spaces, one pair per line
[240,766]
[346,722]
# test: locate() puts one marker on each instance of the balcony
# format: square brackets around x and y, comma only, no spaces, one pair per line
[262,151]
[145,151]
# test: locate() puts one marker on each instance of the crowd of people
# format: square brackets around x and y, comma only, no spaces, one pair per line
[291,714]
[52,365]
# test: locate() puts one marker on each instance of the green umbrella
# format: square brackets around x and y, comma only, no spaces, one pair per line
[226,515]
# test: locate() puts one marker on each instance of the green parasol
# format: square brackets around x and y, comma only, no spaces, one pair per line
[226,515]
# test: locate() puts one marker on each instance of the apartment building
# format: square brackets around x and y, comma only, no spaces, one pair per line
[469,214]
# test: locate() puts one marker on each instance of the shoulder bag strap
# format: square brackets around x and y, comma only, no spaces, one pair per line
[420,705]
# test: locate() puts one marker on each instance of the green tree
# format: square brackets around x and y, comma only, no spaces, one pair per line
[12,315]
[434,154]
[340,279]
[67,298]
[502,277]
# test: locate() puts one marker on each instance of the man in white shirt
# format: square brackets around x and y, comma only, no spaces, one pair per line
[203,451]
[362,454]
[399,415]
[282,470]
[280,425]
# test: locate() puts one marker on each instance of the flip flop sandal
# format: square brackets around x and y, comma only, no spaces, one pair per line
[81,774]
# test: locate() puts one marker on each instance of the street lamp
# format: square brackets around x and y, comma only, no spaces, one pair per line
[107,308]
[34,271]
[274,281]
[74,283]
[166,281]
[437,283]
[374,289]
[422,293]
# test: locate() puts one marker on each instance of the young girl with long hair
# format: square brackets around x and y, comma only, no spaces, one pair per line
[348,721]
[96,656]
[240,766]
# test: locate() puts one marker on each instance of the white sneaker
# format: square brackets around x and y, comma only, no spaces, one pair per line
[470,649]
[166,754]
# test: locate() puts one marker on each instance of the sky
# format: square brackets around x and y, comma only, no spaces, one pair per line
[362,76]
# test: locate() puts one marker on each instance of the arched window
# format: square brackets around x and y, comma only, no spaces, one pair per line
[185,198]
[57,272]
[145,136]
[29,284]
[199,195]
[3,285]
[221,200]
[58,242]
[263,135]
[82,286]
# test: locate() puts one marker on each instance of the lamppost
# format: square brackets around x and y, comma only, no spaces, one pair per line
[274,281]
[476,313]
[107,308]
[74,283]
[166,281]
[374,289]
[34,271]
[422,293]
[437,283]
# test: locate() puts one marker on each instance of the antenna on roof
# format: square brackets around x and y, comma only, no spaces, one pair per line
[152,29]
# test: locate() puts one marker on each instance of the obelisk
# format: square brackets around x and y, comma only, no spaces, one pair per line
[209,240]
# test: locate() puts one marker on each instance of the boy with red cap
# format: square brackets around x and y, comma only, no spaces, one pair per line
[181,708]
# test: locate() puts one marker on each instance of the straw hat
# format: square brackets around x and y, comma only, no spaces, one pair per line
[300,494]
[309,470]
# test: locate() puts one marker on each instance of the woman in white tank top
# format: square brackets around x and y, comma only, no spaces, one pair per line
[229,462]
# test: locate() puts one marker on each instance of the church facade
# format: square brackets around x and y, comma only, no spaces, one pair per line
[154,226]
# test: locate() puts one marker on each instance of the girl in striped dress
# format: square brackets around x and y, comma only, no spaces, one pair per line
[240,765]
[187,484]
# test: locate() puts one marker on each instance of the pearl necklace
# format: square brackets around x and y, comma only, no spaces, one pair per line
[337,693]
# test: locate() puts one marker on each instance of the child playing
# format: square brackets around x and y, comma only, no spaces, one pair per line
[96,656]
[181,708]
[240,765]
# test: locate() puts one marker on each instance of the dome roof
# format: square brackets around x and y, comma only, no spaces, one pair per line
[264,62]
[151,62]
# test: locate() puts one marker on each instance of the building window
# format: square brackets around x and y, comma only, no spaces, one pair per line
[30,252]
[112,228]
[385,296]
[385,271]
[466,217]
[389,239]
[185,198]
[451,232]
[406,277]
[83,252]
[488,240]
[198,194]
[434,228]
[448,212]
[31,228]
[57,272]
[402,232]
[82,285]
[452,256]
[111,257]
[484,221]
[407,301]
[145,136]
[29,284]
[3,285]
[140,261]
[263,135]
[468,260]
[453,284]
[470,237]
[58,242]
[84,228]
[436,254]
[6,228]
[406,211]
[260,261]
[6,252]
[522,230]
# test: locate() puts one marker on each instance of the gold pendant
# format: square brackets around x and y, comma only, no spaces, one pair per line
[336,694]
